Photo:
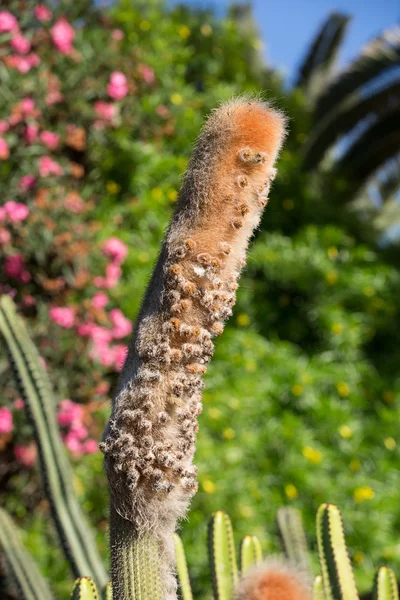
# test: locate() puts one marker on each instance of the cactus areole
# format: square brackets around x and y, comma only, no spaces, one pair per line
[149,441]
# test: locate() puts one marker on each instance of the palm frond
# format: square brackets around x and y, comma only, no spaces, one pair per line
[324,48]
[377,57]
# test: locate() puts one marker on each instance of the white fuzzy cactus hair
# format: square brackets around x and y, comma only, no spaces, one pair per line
[150,439]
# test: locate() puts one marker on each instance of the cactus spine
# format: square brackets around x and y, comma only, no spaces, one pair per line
[250,553]
[75,535]
[337,572]
[24,573]
[149,441]
[221,549]
[182,570]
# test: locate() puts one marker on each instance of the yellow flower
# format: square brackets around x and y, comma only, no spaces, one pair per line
[172,195]
[229,433]
[337,328]
[144,25]
[332,252]
[250,366]
[184,32]
[343,389]
[144,257]
[369,291]
[206,30]
[113,187]
[291,491]
[288,204]
[314,456]
[214,413]
[208,486]
[331,277]
[345,431]
[297,389]
[306,378]
[156,193]
[363,493]
[390,443]
[246,511]
[355,465]
[358,557]
[182,162]
[234,403]
[243,320]
[176,98]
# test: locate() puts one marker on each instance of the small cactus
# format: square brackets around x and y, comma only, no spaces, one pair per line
[250,553]
[221,549]
[84,588]
[385,585]
[318,589]
[293,537]
[182,570]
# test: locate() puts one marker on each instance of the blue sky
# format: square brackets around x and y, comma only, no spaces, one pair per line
[287,26]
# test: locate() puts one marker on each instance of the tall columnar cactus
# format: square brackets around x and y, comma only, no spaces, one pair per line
[76,537]
[149,441]
[293,537]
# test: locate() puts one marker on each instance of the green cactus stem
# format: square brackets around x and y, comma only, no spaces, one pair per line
[250,553]
[222,558]
[84,588]
[293,538]
[108,592]
[385,585]
[75,535]
[182,570]
[25,575]
[337,572]
[318,589]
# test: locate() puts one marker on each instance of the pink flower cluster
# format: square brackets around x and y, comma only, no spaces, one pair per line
[117,251]
[8,23]
[70,418]
[42,13]
[25,455]
[4,149]
[63,36]
[13,211]
[6,420]
[48,166]
[14,267]
[117,87]
[63,316]
[103,351]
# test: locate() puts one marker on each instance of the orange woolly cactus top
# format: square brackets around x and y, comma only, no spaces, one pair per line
[149,442]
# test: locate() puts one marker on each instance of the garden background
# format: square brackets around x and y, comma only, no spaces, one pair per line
[99,108]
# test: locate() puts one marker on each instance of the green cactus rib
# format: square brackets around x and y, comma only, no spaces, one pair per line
[136,573]
[108,592]
[385,585]
[293,538]
[181,566]
[250,553]
[84,589]
[75,535]
[318,589]
[337,572]
[25,575]
[222,556]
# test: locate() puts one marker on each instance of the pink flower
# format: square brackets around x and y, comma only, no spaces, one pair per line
[5,236]
[4,149]
[73,444]
[21,44]
[4,126]
[69,413]
[117,34]
[34,59]
[14,267]
[113,275]
[115,249]
[50,139]
[8,22]
[29,301]
[90,446]
[27,182]
[146,73]
[42,13]
[21,63]
[47,166]
[105,110]
[74,203]
[120,352]
[79,431]
[63,35]
[26,455]
[162,110]
[103,388]
[31,133]
[63,316]
[122,325]
[19,404]
[6,420]
[27,105]
[16,211]
[117,87]
[100,300]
